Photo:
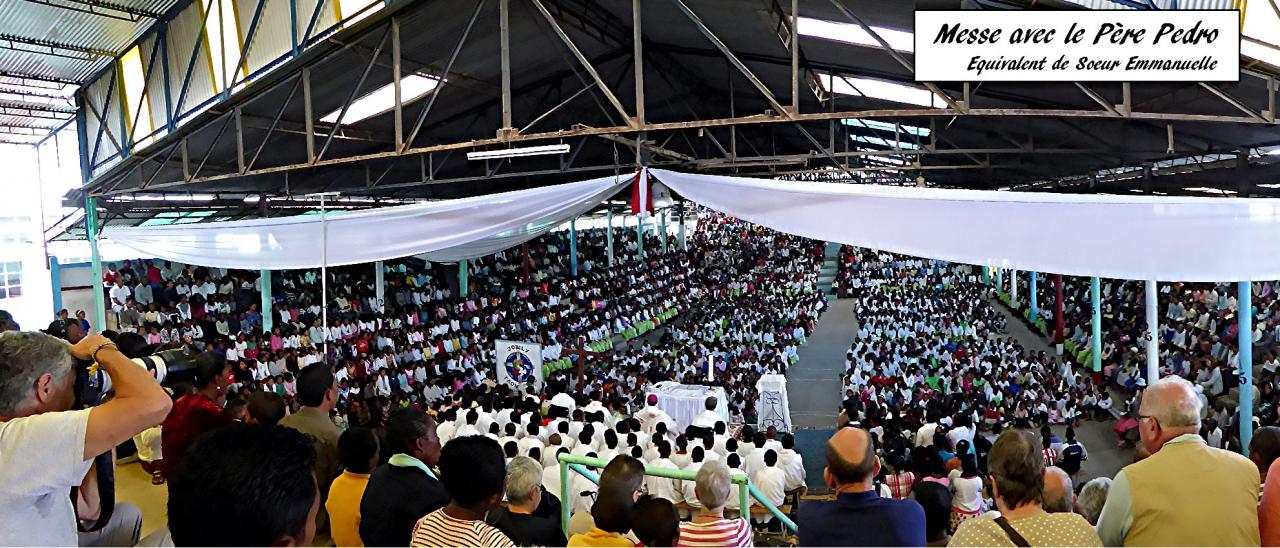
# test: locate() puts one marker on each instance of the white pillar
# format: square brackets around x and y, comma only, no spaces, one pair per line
[380,285]
[1013,287]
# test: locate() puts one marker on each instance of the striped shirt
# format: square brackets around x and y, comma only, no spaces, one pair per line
[438,529]
[722,532]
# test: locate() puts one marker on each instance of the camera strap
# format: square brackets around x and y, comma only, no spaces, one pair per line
[105,466]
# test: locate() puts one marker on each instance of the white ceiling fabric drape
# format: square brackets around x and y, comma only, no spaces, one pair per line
[447,230]
[1129,237]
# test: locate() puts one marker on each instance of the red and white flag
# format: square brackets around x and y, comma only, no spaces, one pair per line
[641,194]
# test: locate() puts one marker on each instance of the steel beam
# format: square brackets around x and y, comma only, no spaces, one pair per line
[51,47]
[726,122]
[586,64]
[308,115]
[1097,98]
[103,8]
[1238,104]
[395,83]
[435,92]
[504,29]
[733,59]
[637,39]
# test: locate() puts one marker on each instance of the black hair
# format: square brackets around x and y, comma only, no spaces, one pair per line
[510,450]
[472,469]
[313,381]
[733,460]
[208,367]
[770,457]
[358,447]
[655,521]
[697,454]
[788,441]
[404,428]
[259,478]
[266,408]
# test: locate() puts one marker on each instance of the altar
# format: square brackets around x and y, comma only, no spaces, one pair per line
[685,401]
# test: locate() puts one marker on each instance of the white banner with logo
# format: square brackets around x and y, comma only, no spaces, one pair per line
[519,363]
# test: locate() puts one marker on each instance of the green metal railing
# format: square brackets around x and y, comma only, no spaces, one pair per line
[579,465]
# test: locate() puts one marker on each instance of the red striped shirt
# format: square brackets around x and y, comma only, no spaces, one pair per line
[722,532]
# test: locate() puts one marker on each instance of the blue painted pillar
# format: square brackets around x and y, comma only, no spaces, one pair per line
[1035,307]
[999,279]
[573,247]
[264,287]
[462,278]
[95,264]
[55,279]
[986,275]
[608,235]
[1095,298]
[1246,365]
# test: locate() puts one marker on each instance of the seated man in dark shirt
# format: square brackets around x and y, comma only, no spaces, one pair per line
[404,489]
[516,520]
[858,516]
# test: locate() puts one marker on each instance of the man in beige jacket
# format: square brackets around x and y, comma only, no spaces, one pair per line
[1186,493]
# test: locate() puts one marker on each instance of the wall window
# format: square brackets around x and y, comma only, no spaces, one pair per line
[10,280]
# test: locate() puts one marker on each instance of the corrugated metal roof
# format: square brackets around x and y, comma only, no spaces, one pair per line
[64,22]
[62,41]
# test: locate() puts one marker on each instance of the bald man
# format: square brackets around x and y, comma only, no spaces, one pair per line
[1186,493]
[859,516]
[1058,495]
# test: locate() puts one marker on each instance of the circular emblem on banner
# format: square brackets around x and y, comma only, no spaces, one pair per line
[519,367]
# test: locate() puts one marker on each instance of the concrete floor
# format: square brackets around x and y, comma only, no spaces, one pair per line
[813,384]
[133,485]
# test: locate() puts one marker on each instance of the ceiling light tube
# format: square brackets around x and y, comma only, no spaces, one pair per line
[518,152]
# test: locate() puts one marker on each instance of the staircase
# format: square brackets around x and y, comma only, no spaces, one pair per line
[830,267]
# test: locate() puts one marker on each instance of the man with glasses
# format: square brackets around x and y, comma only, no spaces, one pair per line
[1186,493]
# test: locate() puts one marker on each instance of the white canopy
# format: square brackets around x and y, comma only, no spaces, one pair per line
[1129,237]
[447,230]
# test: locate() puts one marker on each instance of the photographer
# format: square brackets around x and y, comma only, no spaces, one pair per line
[47,448]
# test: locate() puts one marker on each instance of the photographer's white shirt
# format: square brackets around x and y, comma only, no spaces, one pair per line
[43,458]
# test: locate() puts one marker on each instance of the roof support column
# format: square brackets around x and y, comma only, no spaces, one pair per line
[1059,323]
[637,39]
[608,235]
[1152,291]
[1095,340]
[95,263]
[505,32]
[1246,365]
[264,288]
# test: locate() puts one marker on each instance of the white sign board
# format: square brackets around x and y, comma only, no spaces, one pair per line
[1077,46]
[519,363]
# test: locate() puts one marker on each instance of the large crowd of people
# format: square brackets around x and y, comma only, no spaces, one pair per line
[388,425]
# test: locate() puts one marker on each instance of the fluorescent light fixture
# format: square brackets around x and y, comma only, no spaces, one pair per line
[1269,185]
[518,152]
[881,89]
[1209,190]
[886,160]
[383,99]
[884,142]
[855,34]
